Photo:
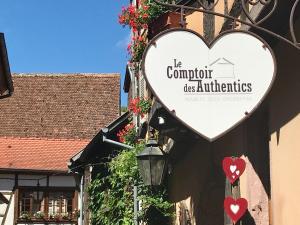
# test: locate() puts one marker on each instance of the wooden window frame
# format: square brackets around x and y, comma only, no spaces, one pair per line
[46,191]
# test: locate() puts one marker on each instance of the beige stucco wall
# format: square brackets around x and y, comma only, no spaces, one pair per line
[285,177]
[195,19]
[285,137]
[193,22]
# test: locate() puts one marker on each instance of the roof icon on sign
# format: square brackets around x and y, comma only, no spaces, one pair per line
[223,68]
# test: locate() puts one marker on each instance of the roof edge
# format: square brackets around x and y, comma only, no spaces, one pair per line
[79,75]
[33,171]
[44,138]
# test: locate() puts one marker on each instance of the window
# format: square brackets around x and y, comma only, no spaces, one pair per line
[48,204]
[60,203]
[31,202]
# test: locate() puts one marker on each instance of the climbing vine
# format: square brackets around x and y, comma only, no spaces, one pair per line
[111,194]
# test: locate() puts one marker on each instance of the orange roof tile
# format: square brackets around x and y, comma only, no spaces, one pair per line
[38,154]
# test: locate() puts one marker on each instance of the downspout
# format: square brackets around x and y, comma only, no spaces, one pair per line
[136,89]
[81,199]
[136,205]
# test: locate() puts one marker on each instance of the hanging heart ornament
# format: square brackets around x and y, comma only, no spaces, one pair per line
[210,88]
[233,168]
[235,209]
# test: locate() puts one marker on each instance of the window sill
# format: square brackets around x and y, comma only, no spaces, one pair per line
[46,221]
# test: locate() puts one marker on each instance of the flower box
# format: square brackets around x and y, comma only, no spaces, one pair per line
[165,21]
[47,221]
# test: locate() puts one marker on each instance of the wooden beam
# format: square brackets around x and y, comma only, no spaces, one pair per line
[254,13]
[208,23]
[7,209]
[16,216]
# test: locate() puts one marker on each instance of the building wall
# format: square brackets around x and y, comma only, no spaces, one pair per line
[285,141]
[197,179]
[195,19]
[268,141]
[7,186]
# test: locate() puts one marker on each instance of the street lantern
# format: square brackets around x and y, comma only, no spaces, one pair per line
[152,163]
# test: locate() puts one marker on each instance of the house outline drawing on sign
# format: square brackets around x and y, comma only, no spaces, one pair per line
[223,68]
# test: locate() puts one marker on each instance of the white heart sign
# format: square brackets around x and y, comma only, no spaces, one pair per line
[209,88]
[234,208]
[232,168]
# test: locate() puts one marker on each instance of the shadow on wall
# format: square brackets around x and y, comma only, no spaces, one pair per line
[285,92]
[197,168]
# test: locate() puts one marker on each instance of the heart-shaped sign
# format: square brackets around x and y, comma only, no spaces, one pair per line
[233,168]
[211,88]
[235,209]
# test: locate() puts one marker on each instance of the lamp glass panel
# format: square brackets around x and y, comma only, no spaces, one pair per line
[157,169]
[144,169]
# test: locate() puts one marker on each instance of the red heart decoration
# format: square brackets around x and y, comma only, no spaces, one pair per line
[235,209]
[233,168]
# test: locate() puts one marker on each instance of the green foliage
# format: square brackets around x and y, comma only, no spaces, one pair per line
[144,105]
[156,10]
[124,109]
[111,197]
[137,47]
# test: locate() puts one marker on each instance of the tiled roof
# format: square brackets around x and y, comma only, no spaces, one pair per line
[38,154]
[57,106]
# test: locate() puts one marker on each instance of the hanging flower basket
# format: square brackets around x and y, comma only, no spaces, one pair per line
[139,106]
[127,134]
[136,48]
[166,21]
[135,18]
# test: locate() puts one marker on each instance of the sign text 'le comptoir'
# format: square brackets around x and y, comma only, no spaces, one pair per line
[203,81]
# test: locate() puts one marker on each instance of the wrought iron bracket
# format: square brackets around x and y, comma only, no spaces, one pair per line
[251,22]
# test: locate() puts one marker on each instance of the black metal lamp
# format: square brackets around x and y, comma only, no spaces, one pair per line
[152,164]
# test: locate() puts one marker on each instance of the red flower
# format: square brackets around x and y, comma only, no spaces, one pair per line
[145,7]
[131,9]
[125,131]
[136,18]
[140,38]
[121,19]
[139,106]
[145,15]
[129,47]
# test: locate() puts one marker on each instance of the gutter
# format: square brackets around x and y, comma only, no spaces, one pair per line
[119,144]
[81,200]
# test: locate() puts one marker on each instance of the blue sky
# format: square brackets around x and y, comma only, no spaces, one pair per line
[65,36]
